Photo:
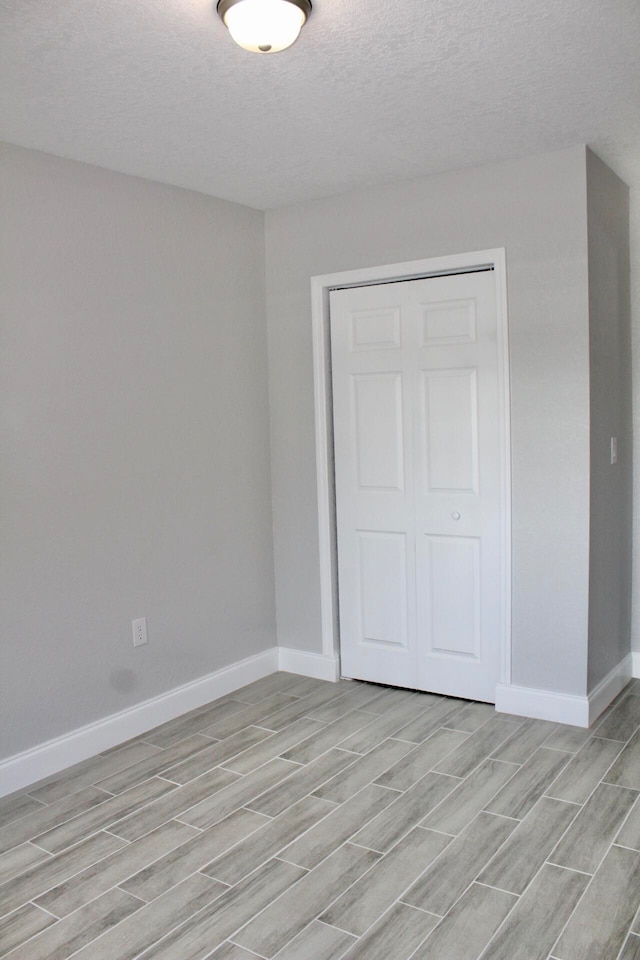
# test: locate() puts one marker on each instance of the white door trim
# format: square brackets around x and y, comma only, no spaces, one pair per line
[320,287]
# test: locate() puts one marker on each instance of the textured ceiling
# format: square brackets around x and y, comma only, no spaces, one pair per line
[373,91]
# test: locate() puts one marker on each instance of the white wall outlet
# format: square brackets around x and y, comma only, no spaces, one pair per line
[614,449]
[139,628]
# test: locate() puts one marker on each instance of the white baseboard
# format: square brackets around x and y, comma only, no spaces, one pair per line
[542,704]
[309,664]
[565,707]
[609,688]
[635,664]
[55,755]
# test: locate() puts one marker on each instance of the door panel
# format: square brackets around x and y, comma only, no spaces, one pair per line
[417,469]
[383,587]
[377,430]
[450,438]
[452,588]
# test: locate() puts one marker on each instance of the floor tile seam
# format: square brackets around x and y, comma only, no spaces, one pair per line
[65,850]
[620,786]
[237,930]
[521,896]
[388,910]
[335,806]
[389,736]
[299,763]
[43,805]
[116,820]
[458,899]
[416,746]
[617,739]
[405,890]
[246,803]
[94,783]
[335,746]
[169,765]
[40,833]
[66,879]
[624,822]
[612,739]
[311,792]
[555,846]
[560,772]
[246,949]
[182,812]
[579,901]
[108,930]
[145,903]
[410,885]
[37,845]
[327,905]
[480,761]
[492,886]
[469,733]
[32,903]
[600,862]
[624,846]
[115,886]
[601,780]
[582,807]
[178,820]
[287,843]
[572,803]
[503,816]
[489,861]
[629,938]
[118,884]
[116,837]
[200,873]
[508,763]
[229,759]
[32,937]
[461,781]
[294,763]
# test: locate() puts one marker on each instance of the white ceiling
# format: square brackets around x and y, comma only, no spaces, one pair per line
[374,90]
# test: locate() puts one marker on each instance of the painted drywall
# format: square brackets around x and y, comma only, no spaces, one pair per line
[634,240]
[536,209]
[135,442]
[610,389]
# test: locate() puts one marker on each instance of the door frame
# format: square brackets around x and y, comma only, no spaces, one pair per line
[494,259]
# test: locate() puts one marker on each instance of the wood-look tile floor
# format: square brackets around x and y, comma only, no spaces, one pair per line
[302,820]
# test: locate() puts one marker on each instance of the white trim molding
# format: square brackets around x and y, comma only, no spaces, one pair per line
[609,688]
[320,289]
[55,755]
[635,663]
[315,665]
[564,707]
[542,704]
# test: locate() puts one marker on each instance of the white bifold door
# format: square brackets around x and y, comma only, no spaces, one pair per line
[417,434]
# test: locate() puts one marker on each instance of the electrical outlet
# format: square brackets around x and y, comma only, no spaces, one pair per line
[139,628]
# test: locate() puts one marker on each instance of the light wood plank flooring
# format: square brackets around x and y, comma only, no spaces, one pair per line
[302,820]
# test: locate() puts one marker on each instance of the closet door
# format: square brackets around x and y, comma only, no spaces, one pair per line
[417,468]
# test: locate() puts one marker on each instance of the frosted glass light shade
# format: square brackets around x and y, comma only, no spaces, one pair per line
[264,26]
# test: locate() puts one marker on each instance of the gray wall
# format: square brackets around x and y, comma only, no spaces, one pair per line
[536,209]
[610,383]
[134,442]
[634,240]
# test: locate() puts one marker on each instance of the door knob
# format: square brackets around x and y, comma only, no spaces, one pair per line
[455,515]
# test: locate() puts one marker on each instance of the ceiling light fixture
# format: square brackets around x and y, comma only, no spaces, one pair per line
[264,26]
